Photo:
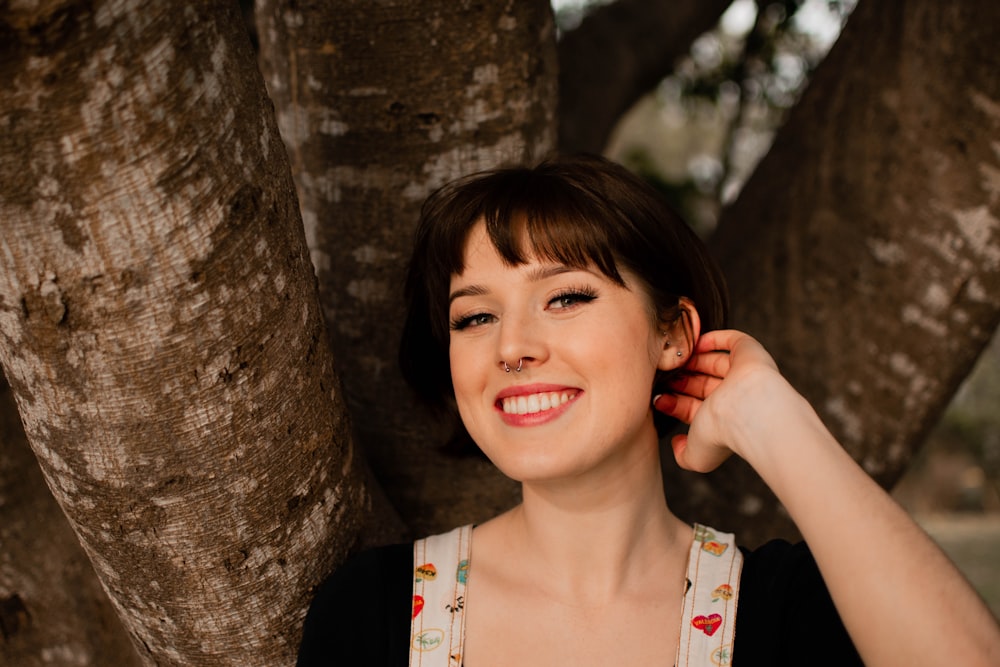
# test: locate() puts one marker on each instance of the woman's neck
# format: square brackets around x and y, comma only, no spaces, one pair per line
[591,539]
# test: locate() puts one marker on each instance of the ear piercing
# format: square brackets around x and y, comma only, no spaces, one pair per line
[680,353]
[520,363]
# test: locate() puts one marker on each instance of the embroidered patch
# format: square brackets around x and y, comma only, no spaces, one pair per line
[418,604]
[707,624]
[428,640]
[723,592]
[426,572]
[722,656]
[715,548]
[703,534]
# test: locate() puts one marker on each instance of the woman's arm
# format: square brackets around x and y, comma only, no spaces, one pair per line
[901,599]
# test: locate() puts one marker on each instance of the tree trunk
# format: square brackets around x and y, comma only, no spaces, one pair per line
[619,53]
[379,104]
[865,250]
[160,326]
[52,608]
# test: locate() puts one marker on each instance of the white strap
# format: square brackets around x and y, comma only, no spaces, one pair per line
[440,572]
[708,621]
[708,616]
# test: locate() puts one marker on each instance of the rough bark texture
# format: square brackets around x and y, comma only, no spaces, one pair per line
[379,103]
[52,608]
[865,250]
[618,53]
[160,326]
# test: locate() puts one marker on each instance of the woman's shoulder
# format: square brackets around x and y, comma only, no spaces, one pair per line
[362,610]
[786,615]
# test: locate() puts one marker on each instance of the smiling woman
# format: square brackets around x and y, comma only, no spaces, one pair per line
[581,214]
[561,327]
[561,309]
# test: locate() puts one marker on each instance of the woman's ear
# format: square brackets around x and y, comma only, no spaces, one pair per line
[681,336]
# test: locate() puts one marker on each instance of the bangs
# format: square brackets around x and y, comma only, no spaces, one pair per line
[530,215]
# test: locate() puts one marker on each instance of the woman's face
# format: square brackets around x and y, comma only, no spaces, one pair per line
[588,351]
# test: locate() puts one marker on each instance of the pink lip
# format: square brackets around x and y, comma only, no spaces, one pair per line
[535,418]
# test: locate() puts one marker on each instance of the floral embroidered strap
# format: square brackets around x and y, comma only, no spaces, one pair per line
[440,571]
[708,616]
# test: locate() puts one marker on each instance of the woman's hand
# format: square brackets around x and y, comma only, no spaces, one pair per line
[736,401]
[730,394]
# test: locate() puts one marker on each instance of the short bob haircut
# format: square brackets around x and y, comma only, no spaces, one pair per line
[582,211]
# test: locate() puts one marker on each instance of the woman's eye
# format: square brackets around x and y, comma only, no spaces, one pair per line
[475,320]
[570,299]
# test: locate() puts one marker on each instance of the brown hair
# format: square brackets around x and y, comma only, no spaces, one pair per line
[579,211]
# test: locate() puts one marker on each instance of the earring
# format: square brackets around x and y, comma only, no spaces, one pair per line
[680,353]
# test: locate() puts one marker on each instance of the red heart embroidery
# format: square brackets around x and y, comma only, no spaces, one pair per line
[418,604]
[707,624]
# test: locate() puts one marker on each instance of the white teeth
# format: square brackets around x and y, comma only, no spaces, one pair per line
[523,405]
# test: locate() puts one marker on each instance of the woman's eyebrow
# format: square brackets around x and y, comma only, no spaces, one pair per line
[535,275]
[548,270]
[470,290]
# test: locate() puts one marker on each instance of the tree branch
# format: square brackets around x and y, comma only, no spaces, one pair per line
[618,53]
[864,251]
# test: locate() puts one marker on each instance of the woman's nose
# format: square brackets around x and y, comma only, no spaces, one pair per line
[522,344]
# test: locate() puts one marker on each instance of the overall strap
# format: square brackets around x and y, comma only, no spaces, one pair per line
[708,616]
[440,572]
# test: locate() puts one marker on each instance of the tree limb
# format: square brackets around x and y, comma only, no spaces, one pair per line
[618,53]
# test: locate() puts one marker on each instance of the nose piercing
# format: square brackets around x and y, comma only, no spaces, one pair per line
[520,363]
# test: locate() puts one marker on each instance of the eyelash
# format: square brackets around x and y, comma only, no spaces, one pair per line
[577,295]
[462,322]
[580,294]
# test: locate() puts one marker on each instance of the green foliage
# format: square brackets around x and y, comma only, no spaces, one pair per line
[737,83]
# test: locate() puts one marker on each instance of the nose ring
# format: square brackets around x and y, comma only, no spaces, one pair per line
[520,363]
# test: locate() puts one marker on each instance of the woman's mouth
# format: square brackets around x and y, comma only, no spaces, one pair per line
[526,404]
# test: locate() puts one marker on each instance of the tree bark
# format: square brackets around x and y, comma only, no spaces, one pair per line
[52,607]
[379,104]
[160,326]
[865,250]
[618,53]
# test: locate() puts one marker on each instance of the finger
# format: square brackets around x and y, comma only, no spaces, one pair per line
[678,406]
[678,444]
[713,363]
[720,339]
[735,342]
[697,459]
[698,386]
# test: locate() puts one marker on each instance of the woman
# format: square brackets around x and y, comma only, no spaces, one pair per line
[556,307]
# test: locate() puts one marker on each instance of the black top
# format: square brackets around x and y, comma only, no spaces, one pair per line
[361,614]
